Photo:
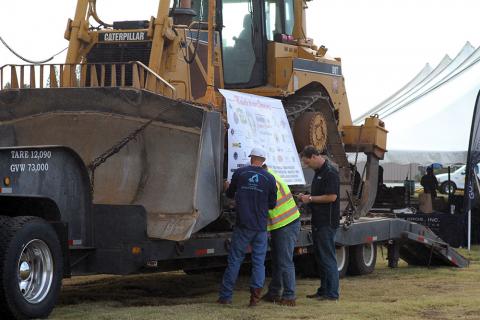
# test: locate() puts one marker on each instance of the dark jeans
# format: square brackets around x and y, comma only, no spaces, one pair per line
[283,268]
[324,250]
[241,239]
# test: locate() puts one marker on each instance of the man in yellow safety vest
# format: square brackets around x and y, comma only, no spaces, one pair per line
[284,227]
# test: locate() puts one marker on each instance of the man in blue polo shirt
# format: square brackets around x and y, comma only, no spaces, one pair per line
[255,192]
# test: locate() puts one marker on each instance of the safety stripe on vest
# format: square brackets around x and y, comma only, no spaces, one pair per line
[283,199]
[281,189]
[283,216]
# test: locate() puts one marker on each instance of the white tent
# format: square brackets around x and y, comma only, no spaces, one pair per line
[424,158]
[433,111]
[429,118]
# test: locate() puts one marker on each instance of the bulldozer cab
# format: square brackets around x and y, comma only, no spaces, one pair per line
[246,27]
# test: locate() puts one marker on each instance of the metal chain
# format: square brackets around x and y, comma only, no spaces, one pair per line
[116,149]
[349,212]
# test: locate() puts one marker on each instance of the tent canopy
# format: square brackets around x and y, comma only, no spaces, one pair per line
[432,113]
[423,158]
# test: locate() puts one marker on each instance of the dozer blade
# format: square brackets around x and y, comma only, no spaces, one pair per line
[172,166]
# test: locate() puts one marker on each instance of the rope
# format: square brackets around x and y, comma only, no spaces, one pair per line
[28,60]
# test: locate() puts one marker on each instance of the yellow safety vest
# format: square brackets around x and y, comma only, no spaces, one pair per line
[286,210]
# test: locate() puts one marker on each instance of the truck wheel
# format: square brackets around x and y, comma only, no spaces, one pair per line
[342,260]
[31,267]
[448,185]
[363,258]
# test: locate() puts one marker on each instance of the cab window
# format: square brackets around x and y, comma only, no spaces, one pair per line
[238,41]
[279,18]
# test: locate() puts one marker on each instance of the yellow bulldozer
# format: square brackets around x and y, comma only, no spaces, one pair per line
[155,81]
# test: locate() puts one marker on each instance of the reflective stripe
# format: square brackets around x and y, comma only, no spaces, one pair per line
[284,199]
[286,209]
[281,189]
[284,215]
[283,195]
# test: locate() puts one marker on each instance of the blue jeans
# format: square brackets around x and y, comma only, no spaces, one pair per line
[324,250]
[241,238]
[283,268]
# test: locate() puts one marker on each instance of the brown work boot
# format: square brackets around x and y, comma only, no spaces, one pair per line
[269,298]
[255,294]
[287,302]
[313,296]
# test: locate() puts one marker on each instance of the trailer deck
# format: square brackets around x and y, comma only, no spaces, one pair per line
[129,250]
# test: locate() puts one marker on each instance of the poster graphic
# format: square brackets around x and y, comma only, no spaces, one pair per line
[257,121]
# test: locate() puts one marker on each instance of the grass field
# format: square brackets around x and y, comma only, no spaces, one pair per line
[402,293]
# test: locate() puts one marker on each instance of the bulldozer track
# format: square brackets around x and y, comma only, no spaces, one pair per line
[314,98]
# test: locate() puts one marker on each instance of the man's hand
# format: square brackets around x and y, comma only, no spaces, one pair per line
[304,198]
[226,184]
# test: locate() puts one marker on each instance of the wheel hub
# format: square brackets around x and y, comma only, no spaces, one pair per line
[35,271]
[340,255]
[25,270]
[368,254]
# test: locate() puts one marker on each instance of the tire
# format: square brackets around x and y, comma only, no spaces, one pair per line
[363,258]
[446,185]
[343,259]
[31,267]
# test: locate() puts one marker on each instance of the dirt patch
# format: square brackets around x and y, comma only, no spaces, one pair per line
[433,314]
[146,290]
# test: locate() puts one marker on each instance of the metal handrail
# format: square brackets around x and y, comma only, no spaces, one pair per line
[53,75]
[165,82]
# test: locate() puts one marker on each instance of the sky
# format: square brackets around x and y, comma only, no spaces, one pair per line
[383,43]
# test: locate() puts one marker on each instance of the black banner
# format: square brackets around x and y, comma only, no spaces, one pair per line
[449,227]
[473,158]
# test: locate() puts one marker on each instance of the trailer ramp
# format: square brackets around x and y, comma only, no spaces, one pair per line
[415,243]
[429,250]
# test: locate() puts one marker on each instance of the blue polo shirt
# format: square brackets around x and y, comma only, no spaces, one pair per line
[255,191]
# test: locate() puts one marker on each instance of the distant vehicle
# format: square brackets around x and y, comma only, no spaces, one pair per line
[457,179]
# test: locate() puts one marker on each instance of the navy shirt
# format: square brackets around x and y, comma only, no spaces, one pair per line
[255,191]
[326,181]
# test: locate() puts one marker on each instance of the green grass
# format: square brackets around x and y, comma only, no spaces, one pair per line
[402,293]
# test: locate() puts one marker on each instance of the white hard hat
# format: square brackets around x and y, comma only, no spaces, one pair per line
[258,152]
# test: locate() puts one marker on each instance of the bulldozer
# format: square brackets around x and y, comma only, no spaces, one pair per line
[139,102]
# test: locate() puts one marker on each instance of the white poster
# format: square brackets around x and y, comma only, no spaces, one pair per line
[257,121]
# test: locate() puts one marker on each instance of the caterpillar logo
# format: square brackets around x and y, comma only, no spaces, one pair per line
[122,36]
